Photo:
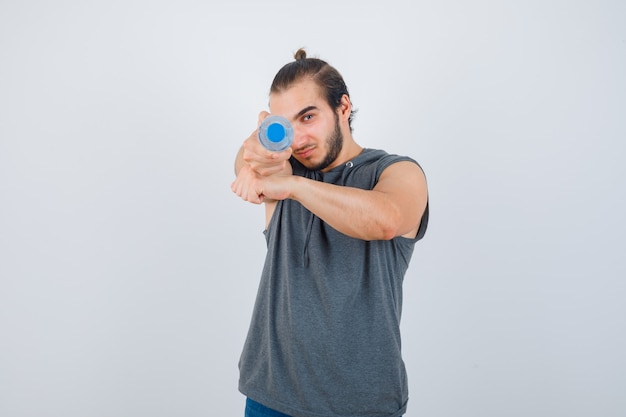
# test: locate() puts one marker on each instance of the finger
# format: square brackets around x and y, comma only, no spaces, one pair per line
[271,169]
[245,186]
[237,188]
[286,154]
[262,116]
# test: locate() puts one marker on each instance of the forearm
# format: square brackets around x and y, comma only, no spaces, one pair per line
[393,208]
[362,214]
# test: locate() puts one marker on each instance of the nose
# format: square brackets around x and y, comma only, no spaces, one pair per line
[299,138]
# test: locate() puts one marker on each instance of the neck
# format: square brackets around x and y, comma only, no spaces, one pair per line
[350,150]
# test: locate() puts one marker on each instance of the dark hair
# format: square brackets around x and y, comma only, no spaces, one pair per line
[324,75]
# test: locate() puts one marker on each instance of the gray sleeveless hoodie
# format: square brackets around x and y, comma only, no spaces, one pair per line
[324,340]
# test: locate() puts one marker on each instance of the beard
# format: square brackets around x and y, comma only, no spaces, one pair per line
[334,143]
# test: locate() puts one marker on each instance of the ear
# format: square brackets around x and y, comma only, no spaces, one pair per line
[345,108]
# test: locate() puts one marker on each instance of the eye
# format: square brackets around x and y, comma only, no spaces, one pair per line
[307,117]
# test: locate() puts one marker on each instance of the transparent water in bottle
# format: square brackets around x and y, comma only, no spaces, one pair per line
[275,133]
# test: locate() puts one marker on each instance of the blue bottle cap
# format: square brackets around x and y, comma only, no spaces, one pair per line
[275,133]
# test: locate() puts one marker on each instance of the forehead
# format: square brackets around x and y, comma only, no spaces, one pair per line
[298,96]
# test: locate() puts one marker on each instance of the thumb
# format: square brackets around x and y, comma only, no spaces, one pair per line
[262,116]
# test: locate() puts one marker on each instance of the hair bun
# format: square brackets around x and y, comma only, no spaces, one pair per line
[300,54]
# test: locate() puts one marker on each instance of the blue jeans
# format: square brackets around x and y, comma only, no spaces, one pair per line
[254,409]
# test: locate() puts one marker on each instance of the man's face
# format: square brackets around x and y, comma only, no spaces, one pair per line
[317,134]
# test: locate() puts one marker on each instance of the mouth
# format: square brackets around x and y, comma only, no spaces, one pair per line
[304,152]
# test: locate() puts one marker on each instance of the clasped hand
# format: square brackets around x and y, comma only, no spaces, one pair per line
[262,175]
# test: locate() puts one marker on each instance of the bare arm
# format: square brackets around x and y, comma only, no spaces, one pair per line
[393,208]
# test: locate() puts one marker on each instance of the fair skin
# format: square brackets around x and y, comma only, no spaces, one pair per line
[393,208]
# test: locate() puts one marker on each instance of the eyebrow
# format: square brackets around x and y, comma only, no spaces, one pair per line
[305,110]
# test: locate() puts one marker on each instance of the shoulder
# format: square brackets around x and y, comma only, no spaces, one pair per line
[381,160]
[403,171]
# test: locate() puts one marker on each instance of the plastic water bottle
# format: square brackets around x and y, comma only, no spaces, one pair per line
[275,133]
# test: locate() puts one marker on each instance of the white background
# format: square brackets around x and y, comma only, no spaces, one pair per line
[128,269]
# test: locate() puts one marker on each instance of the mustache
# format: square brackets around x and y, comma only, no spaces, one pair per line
[303,148]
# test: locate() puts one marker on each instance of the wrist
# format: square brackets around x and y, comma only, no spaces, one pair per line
[296,187]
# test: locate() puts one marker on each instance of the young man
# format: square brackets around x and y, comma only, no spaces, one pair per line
[341,225]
